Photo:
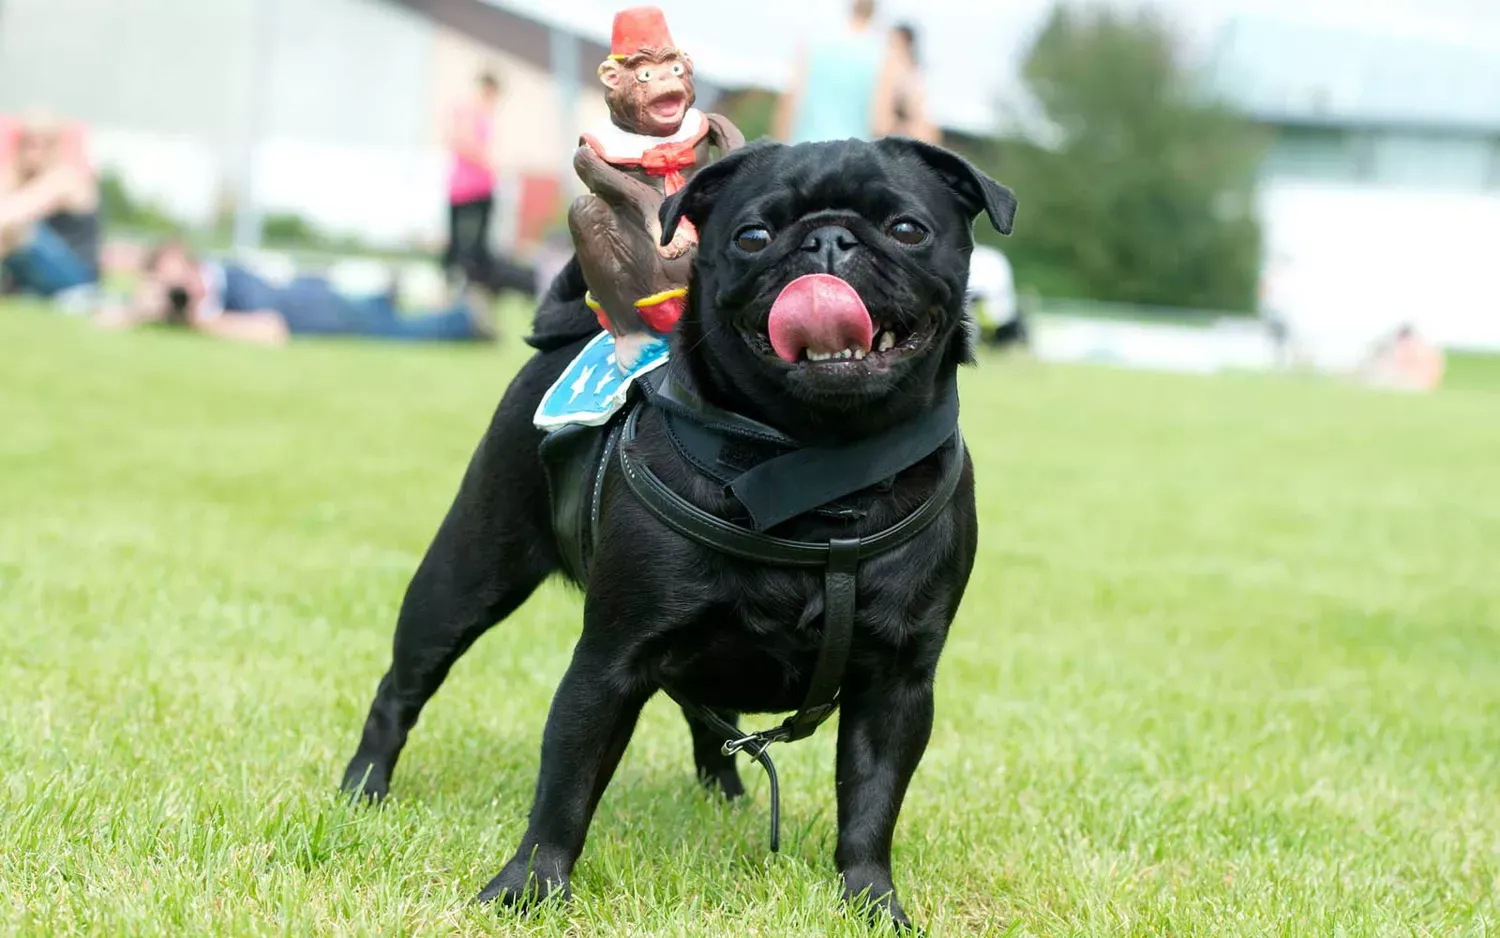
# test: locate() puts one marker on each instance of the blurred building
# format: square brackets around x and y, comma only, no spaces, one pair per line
[1380,195]
[329,109]
[1381,189]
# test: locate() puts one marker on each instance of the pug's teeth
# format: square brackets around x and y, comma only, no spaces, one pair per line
[887,341]
[859,354]
[817,356]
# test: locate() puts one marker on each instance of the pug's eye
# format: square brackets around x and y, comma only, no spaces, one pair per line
[907,231]
[752,240]
[643,76]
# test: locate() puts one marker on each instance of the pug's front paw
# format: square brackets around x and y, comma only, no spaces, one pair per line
[529,879]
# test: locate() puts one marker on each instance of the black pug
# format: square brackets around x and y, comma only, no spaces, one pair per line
[892,219]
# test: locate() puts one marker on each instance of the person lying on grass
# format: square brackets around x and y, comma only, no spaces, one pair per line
[229,301]
[49,210]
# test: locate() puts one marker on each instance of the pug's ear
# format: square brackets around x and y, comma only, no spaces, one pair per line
[694,200]
[975,190]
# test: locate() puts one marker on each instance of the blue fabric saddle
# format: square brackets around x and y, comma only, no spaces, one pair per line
[592,388]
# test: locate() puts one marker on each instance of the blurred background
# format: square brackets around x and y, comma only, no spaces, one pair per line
[1226,665]
[1205,184]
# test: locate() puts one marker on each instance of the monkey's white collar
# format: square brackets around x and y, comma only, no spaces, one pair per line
[615,144]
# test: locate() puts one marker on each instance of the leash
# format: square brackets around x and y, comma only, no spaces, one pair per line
[838,558]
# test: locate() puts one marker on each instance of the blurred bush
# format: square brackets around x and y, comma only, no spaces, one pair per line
[1138,187]
[751,110]
[125,213]
[120,209]
[285,228]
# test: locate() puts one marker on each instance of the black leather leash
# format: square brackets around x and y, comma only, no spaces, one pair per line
[839,559]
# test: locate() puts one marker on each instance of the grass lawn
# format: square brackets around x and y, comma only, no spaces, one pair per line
[1229,665]
[1473,372]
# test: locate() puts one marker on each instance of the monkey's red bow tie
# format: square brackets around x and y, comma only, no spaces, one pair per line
[668,160]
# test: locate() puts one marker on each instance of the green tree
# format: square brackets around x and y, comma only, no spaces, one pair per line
[751,111]
[121,209]
[1143,189]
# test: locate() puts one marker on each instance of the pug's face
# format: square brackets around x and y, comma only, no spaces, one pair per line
[828,292]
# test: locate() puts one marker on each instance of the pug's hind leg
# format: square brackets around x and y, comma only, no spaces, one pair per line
[493,549]
[715,770]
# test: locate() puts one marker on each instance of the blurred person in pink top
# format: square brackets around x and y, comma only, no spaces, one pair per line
[471,198]
[471,180]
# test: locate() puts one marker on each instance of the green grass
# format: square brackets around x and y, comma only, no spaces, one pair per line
[1229,665]
[1473,371]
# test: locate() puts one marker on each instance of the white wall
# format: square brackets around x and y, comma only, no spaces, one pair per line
[183,174]
[168,67]
[1228,345]
[1348,263]
[346,136]
[349,103]
[162,84]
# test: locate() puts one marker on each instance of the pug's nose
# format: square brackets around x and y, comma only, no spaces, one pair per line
[832,244]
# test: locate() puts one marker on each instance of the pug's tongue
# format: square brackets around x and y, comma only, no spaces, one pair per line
[819,313]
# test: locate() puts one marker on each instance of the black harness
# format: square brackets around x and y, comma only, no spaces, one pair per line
[775,480]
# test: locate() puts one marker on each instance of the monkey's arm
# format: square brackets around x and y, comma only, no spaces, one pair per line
[615,233]
[631,199]
[723,134]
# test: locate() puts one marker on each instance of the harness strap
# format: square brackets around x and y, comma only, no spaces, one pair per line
[596,498]
[839,558]
[839,594]
[710,530]
[795,483]
[669,395]
[789,479]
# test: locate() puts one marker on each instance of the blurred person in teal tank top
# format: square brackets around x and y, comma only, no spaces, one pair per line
[843,85]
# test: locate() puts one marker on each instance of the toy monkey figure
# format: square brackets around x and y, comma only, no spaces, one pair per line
[655,142]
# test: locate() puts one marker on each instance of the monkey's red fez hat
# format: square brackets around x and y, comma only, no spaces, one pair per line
[639,28]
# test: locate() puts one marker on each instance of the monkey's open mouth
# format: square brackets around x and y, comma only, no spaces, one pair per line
[668,109]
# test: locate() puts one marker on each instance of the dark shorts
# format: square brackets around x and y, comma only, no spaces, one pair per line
[47,266]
